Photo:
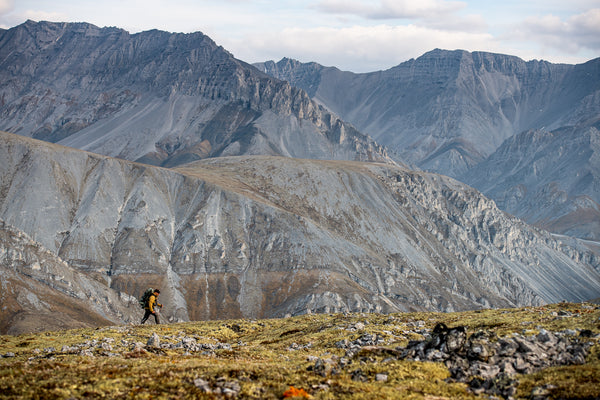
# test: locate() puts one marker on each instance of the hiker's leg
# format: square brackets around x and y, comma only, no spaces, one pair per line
[156,318]
[146,315]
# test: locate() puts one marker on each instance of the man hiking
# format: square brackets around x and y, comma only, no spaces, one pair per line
[150,306]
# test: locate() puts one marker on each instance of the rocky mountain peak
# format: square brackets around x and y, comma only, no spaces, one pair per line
[159,97]
[306,76]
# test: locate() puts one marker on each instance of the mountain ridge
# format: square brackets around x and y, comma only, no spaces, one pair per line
[488,83]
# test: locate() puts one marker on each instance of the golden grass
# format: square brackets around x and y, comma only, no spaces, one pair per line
[268,357]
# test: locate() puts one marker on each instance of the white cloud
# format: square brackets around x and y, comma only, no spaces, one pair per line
[571,34]
[391,9]
[586,28]
[432,14]
[6,6]
[357,48]
[468,23]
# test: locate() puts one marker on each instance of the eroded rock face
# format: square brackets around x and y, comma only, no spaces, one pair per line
[40,291]
[266,237]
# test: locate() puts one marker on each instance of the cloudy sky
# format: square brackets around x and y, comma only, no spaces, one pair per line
[354,35]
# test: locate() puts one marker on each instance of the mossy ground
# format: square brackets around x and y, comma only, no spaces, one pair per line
[267,357]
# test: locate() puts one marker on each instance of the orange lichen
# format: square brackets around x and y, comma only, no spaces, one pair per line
[294,392]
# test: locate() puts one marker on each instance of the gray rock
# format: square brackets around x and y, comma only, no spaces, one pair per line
[326,367]
[359,375]
[86,353]
[202,385]
[188,343]
[106,346]
[488,365]
[154,341]
[507,347]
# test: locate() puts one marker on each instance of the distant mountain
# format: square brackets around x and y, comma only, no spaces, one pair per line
[550,179]
[446,111]
[524,133]
[159,98]
[259,236]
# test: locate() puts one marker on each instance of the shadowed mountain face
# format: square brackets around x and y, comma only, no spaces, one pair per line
[548,178]
[268,236]
[458,113]
[159,98]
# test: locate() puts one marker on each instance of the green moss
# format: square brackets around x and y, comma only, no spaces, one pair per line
[575,382]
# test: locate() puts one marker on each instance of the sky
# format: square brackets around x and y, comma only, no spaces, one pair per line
[353,35]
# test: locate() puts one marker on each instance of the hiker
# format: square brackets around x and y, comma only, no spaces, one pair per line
[150,306]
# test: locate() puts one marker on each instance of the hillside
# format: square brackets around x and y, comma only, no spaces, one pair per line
[549,352]
[550,179]
[260,237]
[40,291]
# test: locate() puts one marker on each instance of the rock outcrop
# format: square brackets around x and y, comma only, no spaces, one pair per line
[487,363]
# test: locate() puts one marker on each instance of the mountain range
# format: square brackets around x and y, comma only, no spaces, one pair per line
[446,111]
[460,113]
[166,162]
